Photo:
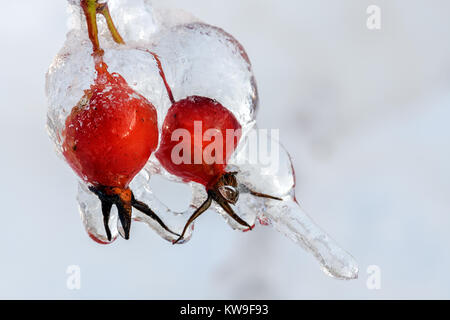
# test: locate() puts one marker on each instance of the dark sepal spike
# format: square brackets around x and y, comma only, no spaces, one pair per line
[205,206]
[124,210]
[263,195]
[139,205]
[106,210]
[97,192]
[226,206]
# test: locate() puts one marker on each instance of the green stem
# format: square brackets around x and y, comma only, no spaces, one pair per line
[91,8]
[104,11]
[90,11]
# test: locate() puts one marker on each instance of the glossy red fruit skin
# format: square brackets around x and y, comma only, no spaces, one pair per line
[182,115]
[111,133]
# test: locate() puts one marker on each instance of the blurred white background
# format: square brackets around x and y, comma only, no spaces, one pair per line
[364,113]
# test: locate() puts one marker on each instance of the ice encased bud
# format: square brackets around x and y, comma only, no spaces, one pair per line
[71,73]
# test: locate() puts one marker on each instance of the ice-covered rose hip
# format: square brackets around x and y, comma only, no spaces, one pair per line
[198,113]
[211,134]
[111,133]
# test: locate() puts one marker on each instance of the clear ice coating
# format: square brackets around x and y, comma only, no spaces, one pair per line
[198,59]
[203,60]
[275,175]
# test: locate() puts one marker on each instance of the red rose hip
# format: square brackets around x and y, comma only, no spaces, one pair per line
[202,122]
[111,133]
[202,114]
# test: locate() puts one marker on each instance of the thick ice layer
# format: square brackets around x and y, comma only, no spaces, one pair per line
[204,60]
[138,20]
